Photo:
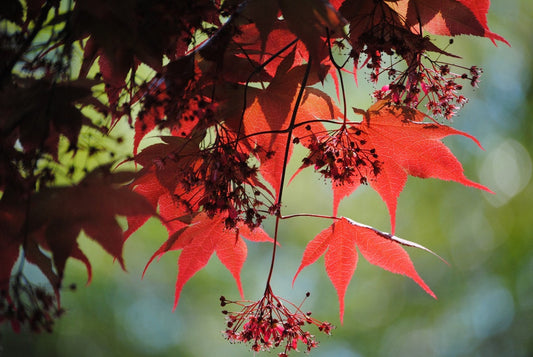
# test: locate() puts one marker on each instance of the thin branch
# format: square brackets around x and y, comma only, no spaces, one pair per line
[339,72]
[309,215]
[6,72]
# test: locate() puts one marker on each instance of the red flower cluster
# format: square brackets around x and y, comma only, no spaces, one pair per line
[435,84]
[229,185]
[216,176]
[220,179]
[29,304]
[380,28]
[342,156]
[268,323]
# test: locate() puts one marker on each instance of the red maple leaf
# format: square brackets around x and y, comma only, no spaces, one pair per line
[204,237]
[439,17]
[339,242]
[448,17]
[389,144]
[407,146]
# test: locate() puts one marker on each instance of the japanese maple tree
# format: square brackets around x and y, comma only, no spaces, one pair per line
[228,88]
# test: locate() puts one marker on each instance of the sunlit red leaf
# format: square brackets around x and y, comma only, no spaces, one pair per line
[404,146]
[448,17]
[339,242]
[203,237]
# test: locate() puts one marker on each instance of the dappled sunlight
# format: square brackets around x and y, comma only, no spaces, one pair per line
[506,169]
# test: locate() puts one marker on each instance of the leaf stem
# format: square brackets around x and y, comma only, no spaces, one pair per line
[338,68]
[285,161]
[309,215]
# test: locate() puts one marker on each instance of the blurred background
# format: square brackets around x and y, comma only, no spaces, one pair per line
[485,295]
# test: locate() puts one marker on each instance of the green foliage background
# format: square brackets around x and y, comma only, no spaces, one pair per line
[485,305]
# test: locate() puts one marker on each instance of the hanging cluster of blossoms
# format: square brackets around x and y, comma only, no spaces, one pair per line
[225,181]
[342,156]
[219,179]
[268,323]
[28,304]
[387,39]
[435,85]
